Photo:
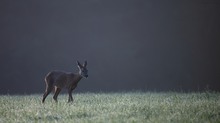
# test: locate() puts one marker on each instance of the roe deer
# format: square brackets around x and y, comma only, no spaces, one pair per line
[60,80]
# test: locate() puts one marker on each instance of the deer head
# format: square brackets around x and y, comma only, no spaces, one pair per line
[82,69]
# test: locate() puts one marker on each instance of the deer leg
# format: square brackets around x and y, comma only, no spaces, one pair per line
[57,91]
[47,92]
[70,95]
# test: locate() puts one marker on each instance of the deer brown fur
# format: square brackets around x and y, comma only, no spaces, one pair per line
[59,79]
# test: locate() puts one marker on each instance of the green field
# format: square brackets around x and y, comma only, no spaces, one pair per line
[129,107]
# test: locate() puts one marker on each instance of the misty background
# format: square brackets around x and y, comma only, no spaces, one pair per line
[130,45]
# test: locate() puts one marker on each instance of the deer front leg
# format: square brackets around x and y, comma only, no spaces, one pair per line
[70,95]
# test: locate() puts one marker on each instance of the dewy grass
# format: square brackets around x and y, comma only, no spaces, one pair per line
[130,107]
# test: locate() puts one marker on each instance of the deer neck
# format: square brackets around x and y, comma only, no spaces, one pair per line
[78,77]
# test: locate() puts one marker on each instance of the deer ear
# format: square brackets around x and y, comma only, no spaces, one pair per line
[79,65]
[85,64]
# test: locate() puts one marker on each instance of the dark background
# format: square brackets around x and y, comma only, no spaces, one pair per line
[148,45]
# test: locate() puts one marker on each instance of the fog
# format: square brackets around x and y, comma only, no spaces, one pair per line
[130,45]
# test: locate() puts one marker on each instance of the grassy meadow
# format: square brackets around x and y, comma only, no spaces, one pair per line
[129,107]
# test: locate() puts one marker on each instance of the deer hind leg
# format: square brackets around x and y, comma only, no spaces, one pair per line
[70,95]
[57,91]
[47,92]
